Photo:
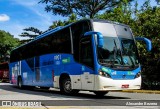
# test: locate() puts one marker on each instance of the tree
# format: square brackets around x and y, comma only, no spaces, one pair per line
[56,24]
[31,33]
[32,30]
[83,8]
[148,25]
[122,13]
[7,43]
[72,18]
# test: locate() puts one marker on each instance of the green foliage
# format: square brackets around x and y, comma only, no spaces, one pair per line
[148,25]
[72,18]
[31,33]
[56,24]
[7,43]
[34,32]
[83,8]
[122,13]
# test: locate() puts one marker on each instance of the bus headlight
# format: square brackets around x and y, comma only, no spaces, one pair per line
[137,75]
[102,73]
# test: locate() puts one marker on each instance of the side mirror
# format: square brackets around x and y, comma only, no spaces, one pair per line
[147,41]
[99,37]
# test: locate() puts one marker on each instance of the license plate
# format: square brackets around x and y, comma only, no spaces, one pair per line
[125,86]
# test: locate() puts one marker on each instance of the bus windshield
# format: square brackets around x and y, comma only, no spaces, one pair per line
[118,52]
[119,49]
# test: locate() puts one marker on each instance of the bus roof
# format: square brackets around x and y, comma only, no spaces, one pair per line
[109,21]
[62,27]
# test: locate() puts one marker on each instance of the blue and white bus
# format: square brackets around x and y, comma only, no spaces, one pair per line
[92,55]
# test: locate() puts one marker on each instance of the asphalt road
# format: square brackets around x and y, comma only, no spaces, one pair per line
[85,99]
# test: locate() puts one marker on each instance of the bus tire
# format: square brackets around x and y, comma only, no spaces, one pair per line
[20,83]
[66,87]
[100,93]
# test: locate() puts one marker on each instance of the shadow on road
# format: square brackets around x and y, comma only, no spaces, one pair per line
[53,93]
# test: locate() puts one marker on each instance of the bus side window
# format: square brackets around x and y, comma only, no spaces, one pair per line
[76,34]
[78,31]
[86,52]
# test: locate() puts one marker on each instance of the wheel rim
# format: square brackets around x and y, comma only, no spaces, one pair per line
[67,86]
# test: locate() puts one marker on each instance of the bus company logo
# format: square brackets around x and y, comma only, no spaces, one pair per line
[6,103]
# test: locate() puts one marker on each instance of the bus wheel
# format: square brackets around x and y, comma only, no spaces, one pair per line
[100,93]
[66,87]
[20,83]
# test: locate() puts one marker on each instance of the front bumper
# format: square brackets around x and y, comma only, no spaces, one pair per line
[107,84]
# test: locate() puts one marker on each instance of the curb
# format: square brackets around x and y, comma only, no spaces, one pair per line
[142,91]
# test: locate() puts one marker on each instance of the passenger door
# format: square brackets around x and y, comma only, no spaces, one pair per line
[87,61]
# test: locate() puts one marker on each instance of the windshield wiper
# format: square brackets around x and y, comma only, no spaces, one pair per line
[115,54]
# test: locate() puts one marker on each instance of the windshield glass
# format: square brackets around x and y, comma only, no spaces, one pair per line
[118,52]
[110,53]
[119,49]
[129,52]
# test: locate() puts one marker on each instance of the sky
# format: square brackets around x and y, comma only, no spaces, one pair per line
[15,15]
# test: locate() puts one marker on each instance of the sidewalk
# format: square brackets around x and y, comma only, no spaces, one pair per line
[142,91]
